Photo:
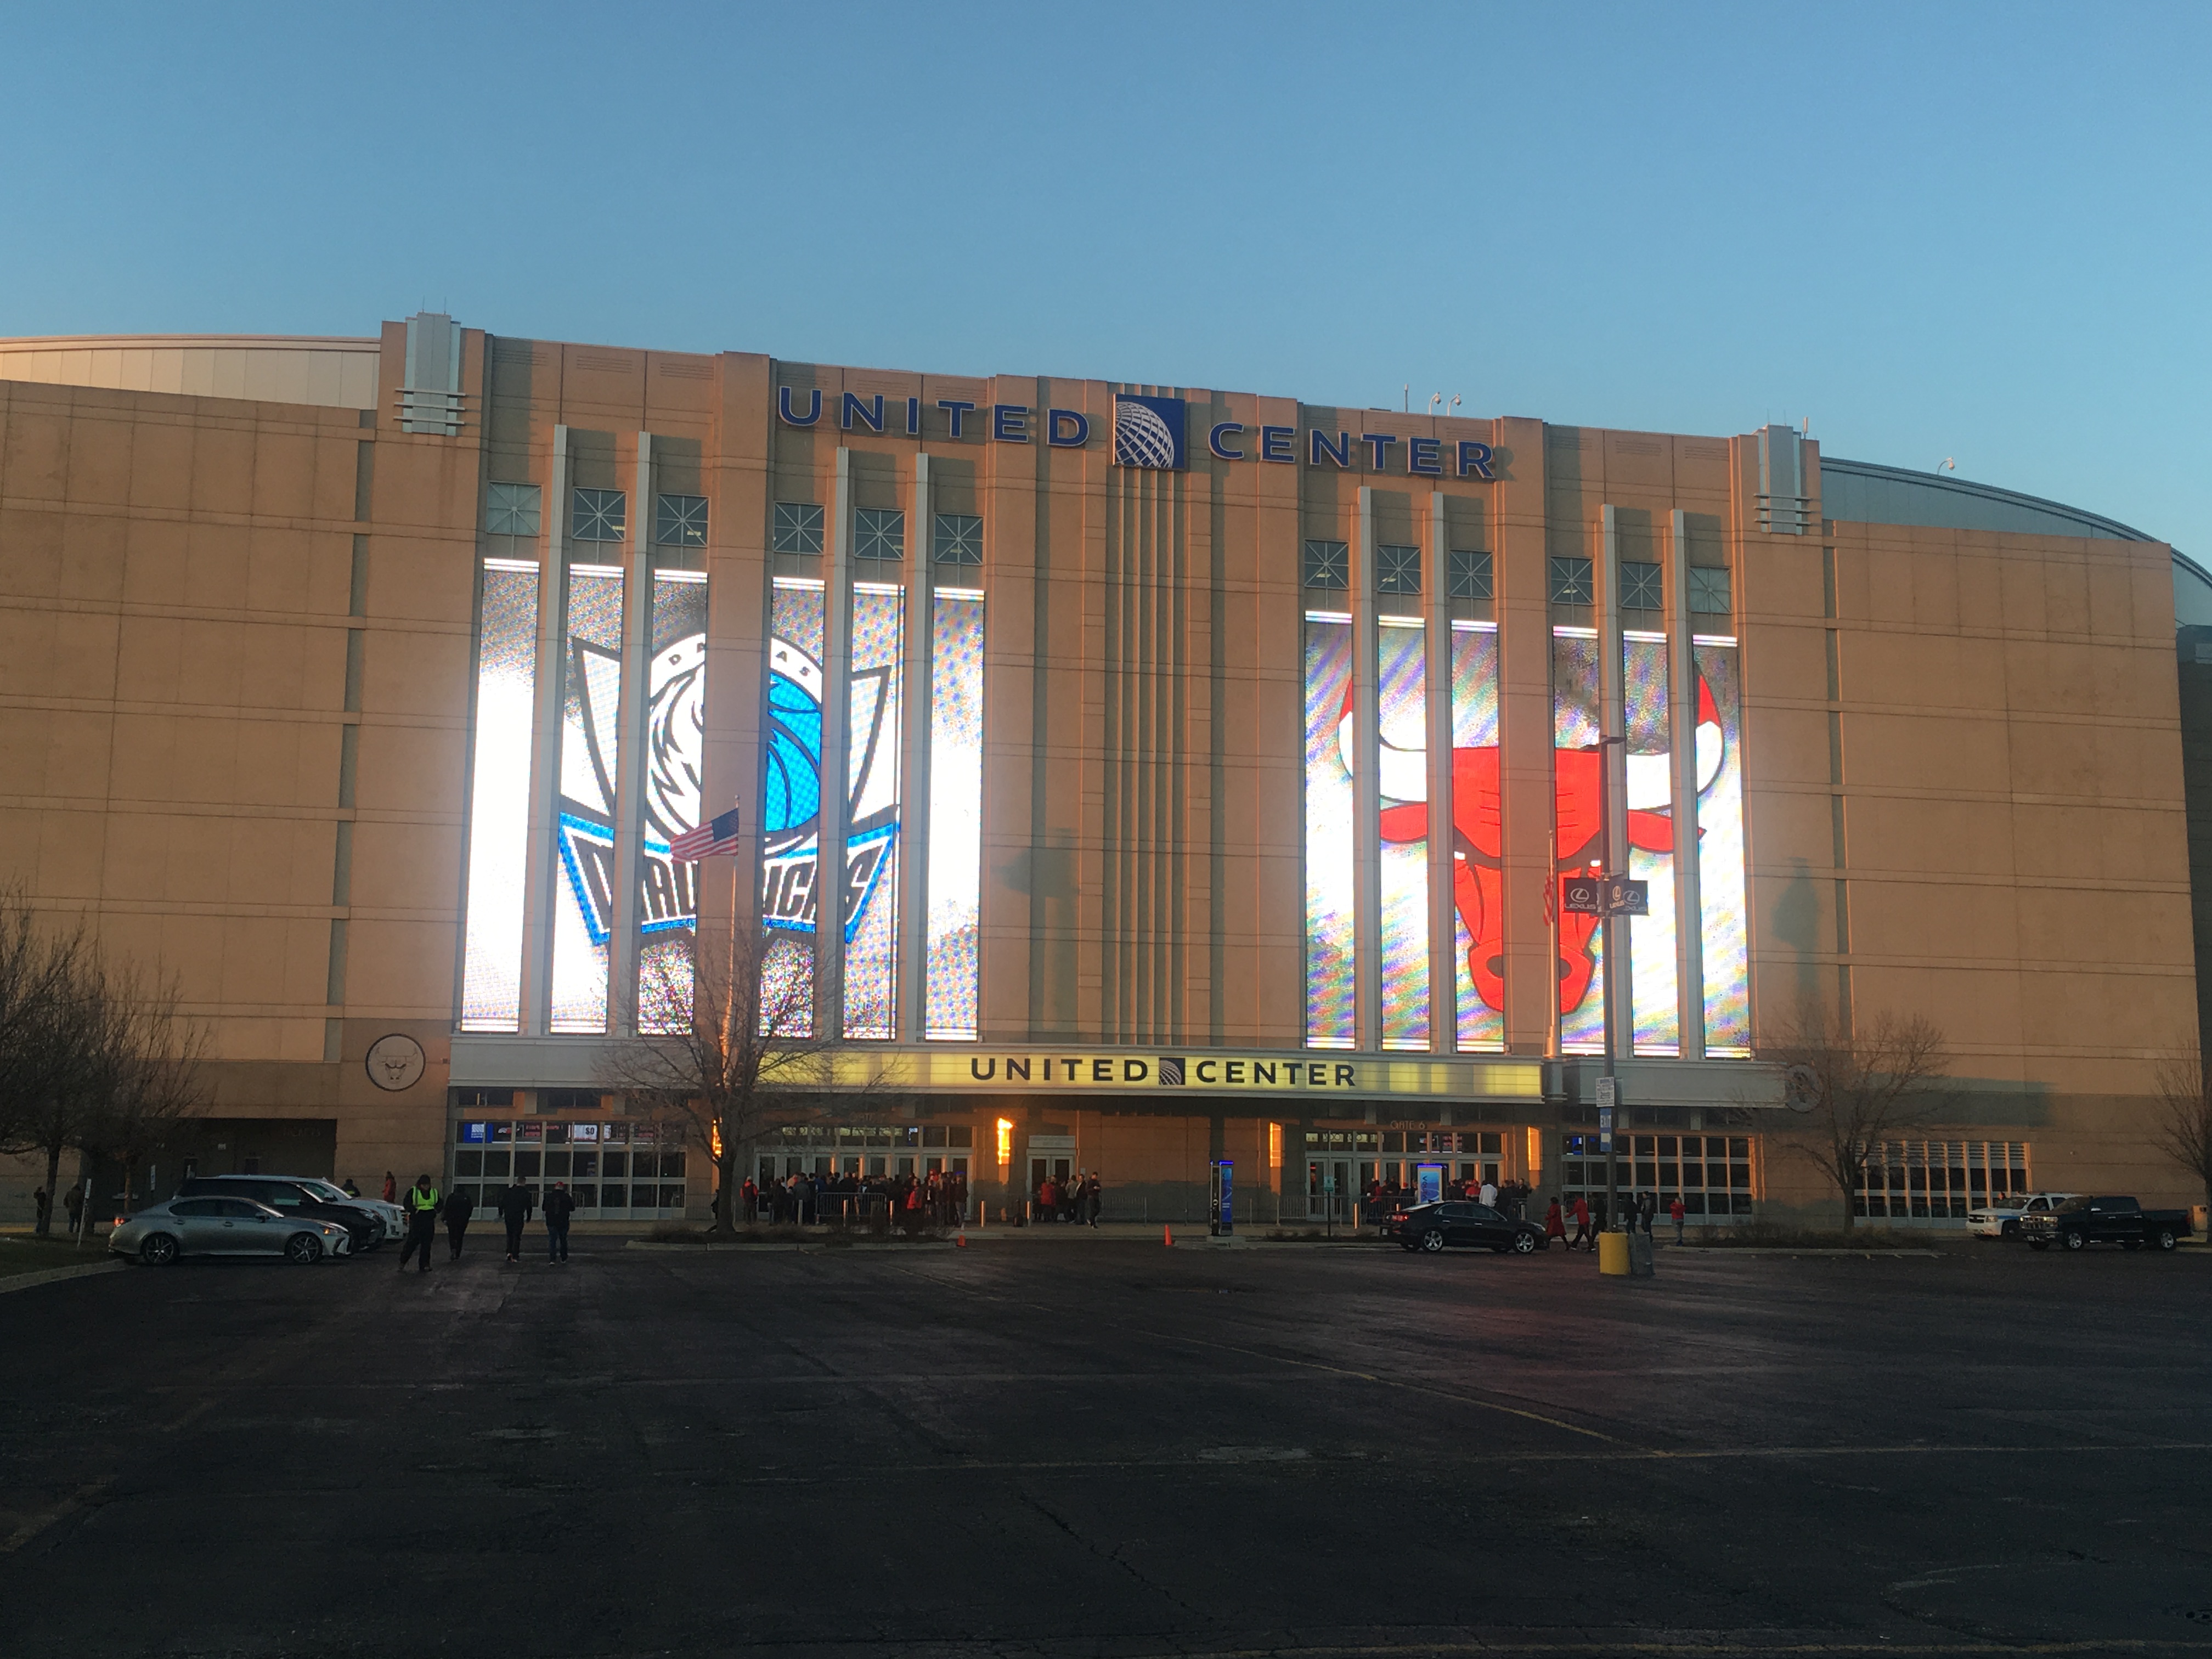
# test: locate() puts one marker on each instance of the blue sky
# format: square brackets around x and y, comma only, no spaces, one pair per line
[1959,230]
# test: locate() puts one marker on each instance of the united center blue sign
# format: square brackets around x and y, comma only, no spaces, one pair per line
[1149,432]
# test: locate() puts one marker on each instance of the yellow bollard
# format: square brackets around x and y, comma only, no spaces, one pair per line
[1612,1252]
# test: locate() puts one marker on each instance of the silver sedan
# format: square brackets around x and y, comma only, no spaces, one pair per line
[224,1226]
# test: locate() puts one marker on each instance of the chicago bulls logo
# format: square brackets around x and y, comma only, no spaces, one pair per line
[1478,893]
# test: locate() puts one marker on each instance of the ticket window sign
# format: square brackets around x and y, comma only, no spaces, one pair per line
[1429,1182]
[1221,1214]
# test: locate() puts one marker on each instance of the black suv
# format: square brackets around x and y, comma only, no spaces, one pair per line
[1461,1221]
[290,1198]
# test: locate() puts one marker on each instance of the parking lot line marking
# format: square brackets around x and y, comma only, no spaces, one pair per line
[1394,1383]
[37,1523]
[1507,1644]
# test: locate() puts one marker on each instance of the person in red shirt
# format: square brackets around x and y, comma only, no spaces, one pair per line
[1677,1212]
[1555,1226]
[1583,1233]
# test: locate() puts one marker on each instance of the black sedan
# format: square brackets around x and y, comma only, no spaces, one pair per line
[1461,1221]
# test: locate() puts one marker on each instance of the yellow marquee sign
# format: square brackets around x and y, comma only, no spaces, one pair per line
[1090,1071]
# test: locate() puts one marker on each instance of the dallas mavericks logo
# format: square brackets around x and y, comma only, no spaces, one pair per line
[676,723]
[1148,431]
[791,811]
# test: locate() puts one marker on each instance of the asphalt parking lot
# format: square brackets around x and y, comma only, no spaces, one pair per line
[1104,1448]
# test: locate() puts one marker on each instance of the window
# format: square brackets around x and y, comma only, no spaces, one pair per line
[1571,580]
[1640,587]
[567,1100]
[959,539]
[1397,570]
[1938,1180]
[512,510]
[878,532]
[798,528]
[1328,564]
[1470,575]
[1709,590]
[598,515]
[1711,1173]
[679,521]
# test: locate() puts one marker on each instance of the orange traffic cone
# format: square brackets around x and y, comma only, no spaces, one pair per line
[962,1241]
[1167,1237]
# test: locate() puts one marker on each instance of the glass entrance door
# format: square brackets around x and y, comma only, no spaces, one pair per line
[1330,1191]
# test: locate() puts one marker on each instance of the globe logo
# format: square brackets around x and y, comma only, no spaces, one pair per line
[1142,435]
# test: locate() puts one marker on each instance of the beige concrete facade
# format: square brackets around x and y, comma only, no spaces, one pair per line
[237,662]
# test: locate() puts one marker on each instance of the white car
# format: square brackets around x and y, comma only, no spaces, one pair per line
[2002,1219]
[393,1218]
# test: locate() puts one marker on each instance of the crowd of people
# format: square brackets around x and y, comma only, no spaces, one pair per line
[1638,1211]
[1072,1202]
[938,1199]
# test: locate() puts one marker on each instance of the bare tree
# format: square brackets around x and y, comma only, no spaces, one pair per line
[1858,1085]
[2182,1126]
[726,1052]
[39,969]
[152,1084]
[81,1039]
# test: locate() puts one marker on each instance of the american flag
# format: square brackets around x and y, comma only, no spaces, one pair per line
[710,840]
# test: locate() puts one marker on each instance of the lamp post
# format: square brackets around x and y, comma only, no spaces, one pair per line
[1615,955]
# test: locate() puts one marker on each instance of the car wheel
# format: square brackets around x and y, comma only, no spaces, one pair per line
[2010,1230]
[158,1250]
[1525,1243]
[302,1248]
[2166,1241]
[2077,1241]
[1433,1240]
[2038,1243]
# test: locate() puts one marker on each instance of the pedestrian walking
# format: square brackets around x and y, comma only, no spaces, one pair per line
[559,1207]
[1555,1225]
[516,1205]
[1677,1212]
[391,1189]
[42,1209]
[459,1206]
[421,1222]
[1583,1234]
[1094,1198]
[73,1202]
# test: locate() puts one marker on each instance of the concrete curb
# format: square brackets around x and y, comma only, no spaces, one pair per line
[54,1275]
[1778,1250]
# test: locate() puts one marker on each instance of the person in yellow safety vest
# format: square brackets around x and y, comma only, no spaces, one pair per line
[422,1203]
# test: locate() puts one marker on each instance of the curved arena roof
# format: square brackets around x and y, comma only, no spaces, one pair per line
[1865,493]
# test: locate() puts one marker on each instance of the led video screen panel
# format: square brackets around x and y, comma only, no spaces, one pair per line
[791,804]
[1332,1012]
[1401,696]
[955,816]
[498,798]
[591,699]
[1478,889]
[874,704]
[675,759]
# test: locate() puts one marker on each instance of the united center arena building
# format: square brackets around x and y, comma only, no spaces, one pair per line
[1197,771]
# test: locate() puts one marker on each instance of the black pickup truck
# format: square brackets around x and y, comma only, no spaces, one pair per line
[2081,1222]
